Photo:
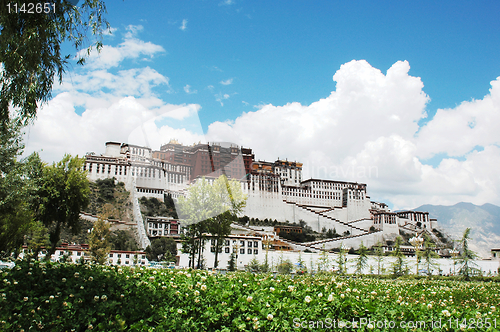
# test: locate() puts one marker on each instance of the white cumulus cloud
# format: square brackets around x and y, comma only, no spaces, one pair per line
[367,130]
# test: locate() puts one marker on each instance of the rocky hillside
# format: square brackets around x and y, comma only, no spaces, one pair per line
[484,222]
[108,197]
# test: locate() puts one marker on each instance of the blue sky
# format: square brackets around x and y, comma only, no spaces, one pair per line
[400,95]
[277,52]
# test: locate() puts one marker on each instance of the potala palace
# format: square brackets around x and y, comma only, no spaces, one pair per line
[275,190]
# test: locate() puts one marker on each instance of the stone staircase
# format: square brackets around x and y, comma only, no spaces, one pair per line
[324,215]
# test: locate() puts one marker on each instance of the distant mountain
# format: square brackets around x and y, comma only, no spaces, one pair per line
[484,222]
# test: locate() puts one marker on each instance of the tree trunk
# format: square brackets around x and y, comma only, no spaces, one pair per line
[54,238]
[199,253]
[216,252]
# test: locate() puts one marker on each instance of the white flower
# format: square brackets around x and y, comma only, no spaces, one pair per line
[249,299]
[268,305]
[203,278]
[271,289]
[307,299]
[370,326]
[330,298]
[342,296]
[429,306]
[196,293]
[96,298]
[104,297]
[270,317]
[91,278]
[51,297]
[179,311]
[341,324]
[446,313]
[291,288]
[25,299]
[320,295]
[203,287]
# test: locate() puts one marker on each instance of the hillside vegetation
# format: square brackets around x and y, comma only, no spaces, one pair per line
[108,197]
[153,207]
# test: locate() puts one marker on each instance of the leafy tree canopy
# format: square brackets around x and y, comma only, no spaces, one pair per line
[19,181]
[64,192]
[162,249]
[30,50]
[99,241]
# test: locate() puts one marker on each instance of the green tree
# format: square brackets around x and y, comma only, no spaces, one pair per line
[19,181]
[63,193]
[285,267]
[217,205]
[362,259]
[30,51]
[467,257]
[162,249]
[231,265]
[428,254]
[36,239]
[123,240]
[379,254]
[170,204]
[398,267]
[323,260]
[229,201]
[254,266]
[99,241]
[341,260]
[192,240]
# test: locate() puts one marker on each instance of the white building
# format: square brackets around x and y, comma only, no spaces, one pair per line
[275,190]
[79,253]
[162,226]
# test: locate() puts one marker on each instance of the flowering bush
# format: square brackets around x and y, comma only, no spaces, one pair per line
[64,297]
